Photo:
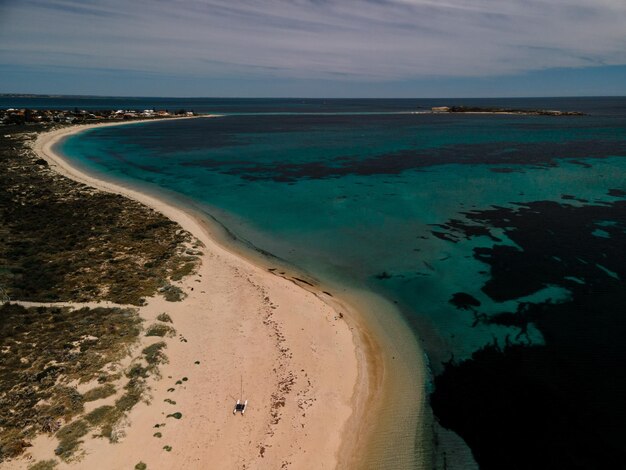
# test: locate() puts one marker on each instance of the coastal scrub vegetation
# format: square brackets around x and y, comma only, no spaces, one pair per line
[43,351]
[99,393]
[158,329]
[164,317]
[63,241]
[44,465]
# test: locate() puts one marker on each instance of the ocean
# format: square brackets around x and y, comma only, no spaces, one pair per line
[499,239]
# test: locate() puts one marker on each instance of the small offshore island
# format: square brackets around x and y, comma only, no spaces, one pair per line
[126,324]
[488,110]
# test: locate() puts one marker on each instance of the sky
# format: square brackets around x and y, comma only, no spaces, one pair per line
[314,48]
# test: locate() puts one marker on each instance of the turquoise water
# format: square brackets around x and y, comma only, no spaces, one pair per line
[367,199]
[357,226]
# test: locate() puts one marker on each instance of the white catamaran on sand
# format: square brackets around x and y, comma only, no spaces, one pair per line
[241,404]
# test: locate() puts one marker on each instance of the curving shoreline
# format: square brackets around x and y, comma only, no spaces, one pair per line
[357,415]
[334,398]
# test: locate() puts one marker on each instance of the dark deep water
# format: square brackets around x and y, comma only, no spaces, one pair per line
[501,238]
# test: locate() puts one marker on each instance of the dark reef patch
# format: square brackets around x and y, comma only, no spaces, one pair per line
[557,241]
[616,193]
[498,169]
[539,154]
[467,230]
[232,131]
[464,301]
[559,404]
[444,236]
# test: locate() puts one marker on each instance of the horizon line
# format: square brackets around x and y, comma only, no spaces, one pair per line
[64,95]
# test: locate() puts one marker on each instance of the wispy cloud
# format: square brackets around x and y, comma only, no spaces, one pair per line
[364,40]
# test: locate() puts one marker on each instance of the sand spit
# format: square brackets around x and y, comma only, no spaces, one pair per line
[303,367]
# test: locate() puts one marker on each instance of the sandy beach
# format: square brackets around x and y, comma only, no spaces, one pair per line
[305,362]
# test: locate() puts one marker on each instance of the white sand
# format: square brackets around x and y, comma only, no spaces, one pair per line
[306,371]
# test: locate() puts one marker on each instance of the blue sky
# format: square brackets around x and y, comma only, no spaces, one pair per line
[317,48]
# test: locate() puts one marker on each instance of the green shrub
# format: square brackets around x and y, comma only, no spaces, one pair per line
[164,317]
[99,393]
[44,465]
[69,438]
[160,330]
